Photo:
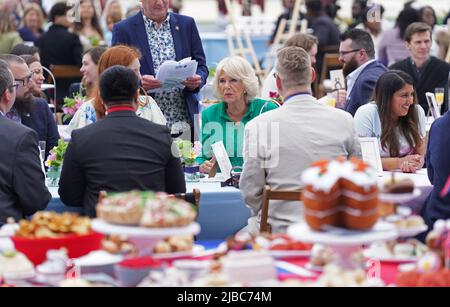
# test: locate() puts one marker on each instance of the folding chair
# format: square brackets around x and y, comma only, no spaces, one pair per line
[269,194]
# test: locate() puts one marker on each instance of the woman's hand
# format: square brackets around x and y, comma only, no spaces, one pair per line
[149,82]
[206,167]
[411,163]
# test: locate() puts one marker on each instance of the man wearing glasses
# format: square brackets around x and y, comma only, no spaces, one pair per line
[28,110]
[22,182]
[361,70]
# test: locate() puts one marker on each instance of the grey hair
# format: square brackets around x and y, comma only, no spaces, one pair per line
[240,69]
[11,58]
[6,78]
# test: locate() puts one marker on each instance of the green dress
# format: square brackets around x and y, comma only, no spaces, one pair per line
[217,126]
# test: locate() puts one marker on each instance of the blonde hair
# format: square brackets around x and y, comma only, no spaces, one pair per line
[240,69]
[30,7]
[294,67]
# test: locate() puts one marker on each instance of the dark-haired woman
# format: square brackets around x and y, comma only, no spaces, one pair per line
[396,119]
[89,29]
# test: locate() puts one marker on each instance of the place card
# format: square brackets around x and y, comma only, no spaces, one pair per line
[433,106]
[222,158]
[337,79]
[371,153]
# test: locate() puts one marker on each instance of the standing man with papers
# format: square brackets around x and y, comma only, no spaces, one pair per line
[162,36]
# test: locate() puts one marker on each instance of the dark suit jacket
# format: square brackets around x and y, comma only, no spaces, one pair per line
[365,84]
[119,153]
[438,166]
[58,46]
[22,182]
[435,75]
[187,44]
[42,121]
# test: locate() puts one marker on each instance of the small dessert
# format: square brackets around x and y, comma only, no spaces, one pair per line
[117,244]
[15,265]
[402,186]
[321,256]
[53,225]
[248,266]
[174,245]
[145,209]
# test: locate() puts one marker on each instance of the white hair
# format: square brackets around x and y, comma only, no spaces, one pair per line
[240,69]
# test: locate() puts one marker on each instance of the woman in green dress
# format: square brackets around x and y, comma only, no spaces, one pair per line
[236,85]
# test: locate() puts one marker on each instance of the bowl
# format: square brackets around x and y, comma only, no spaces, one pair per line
[131,272]
[76,245]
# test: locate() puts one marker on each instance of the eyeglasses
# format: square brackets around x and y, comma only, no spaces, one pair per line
[342,53]
[25,80]
[15,85]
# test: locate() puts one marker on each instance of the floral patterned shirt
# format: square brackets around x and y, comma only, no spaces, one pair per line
[162,48]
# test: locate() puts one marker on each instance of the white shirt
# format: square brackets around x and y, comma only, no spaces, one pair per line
[351,78]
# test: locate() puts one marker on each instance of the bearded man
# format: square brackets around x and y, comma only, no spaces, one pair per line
[361,70]
[28,110]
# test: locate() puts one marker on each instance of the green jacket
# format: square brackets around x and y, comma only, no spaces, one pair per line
[8,41]
[217,126]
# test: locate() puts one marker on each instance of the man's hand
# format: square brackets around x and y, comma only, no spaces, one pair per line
[149,82]
[193,83]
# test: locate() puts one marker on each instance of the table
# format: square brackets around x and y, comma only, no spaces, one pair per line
[222,211]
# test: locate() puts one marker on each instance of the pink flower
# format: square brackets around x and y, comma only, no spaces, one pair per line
[197,148]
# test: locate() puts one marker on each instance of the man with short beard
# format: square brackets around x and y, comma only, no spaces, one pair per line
[28,111]
[361,70]
[22,182]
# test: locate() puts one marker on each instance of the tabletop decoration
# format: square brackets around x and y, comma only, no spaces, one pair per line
[54,163]
[188,152]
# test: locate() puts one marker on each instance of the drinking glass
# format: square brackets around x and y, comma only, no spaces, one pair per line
[439,94]
[42,148]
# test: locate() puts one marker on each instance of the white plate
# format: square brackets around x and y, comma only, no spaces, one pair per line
[399,198]
[98,258]
[278,254]
[196,249]
[390,258]
[133,231]
[411,231]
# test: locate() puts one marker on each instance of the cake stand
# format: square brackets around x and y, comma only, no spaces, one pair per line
[342,241]
[143,238]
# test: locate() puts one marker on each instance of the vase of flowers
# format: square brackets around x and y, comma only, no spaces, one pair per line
[71,106]
[54,163]
[188,152]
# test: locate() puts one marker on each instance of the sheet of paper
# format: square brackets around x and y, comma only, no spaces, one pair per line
[371,153]
[172,73]
[222,158]
[337,79]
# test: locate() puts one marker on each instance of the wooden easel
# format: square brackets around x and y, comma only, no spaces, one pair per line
[239,49]
[281,37]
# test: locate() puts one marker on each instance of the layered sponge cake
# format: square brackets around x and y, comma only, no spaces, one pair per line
[340,193]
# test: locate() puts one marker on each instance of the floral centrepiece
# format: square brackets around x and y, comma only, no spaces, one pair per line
[188,153]
[71,106]
[54,163]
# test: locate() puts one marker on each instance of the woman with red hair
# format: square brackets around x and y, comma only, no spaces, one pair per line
[93,109]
